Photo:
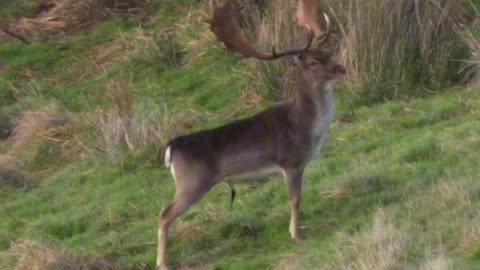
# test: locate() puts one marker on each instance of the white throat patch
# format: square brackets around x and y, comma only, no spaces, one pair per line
[323,119]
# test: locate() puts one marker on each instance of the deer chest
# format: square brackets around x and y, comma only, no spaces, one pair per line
[321,124]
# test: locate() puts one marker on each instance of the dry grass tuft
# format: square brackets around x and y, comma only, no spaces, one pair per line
[32,125]
[69,15]
[388,47]
[123,129]
[34,256]
[376,249]
[438,262]
[273,23]
[470,236]
[450,193]
[158,44]
[101,58]
[250,100]
[194,36]
[290,262]
[473,41]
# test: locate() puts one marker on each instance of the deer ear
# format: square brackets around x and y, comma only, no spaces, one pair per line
[294,60]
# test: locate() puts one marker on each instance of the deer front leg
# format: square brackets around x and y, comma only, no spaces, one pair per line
[294,178]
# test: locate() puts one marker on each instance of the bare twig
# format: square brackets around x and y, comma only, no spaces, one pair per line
[17,36]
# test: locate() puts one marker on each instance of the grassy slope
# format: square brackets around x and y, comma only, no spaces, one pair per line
[401,177]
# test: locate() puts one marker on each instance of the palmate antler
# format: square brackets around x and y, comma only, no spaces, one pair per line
[307,17]
[224,24]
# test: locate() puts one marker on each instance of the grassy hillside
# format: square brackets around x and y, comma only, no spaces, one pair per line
[396,186]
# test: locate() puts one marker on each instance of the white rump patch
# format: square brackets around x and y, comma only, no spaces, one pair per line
[323,120]
[168,157]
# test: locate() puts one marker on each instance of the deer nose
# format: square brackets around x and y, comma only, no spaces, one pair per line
[339,69]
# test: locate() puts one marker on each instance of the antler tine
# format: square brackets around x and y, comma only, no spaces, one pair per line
[328,31]
[308,18]
[311,37]
[224,24]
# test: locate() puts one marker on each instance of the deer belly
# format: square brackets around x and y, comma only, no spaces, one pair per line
[256,175]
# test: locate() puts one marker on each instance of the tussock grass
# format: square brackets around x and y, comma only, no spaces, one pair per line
[273,24]
[69,16]
[123,129]
[194,37]
[31,126]
[401,48]
[378,248]
[35,256]
[390,48]
[473,41]
[437,262]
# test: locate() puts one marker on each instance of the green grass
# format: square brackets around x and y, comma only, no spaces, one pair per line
[387,159]
[395,186]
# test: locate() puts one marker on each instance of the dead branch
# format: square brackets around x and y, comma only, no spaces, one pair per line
[17,36]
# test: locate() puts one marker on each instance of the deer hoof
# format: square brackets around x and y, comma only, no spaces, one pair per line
[297,240]
[162,267]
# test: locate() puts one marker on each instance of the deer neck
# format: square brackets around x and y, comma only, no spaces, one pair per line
[315,102]
[314,111]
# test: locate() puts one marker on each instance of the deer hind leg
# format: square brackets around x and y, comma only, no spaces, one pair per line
[167,217]
[294,178]
[187,194]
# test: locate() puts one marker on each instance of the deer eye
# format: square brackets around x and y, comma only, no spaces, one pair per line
[313,64]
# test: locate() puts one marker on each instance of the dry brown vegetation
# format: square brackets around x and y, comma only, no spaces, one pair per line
[68,15]
[121,128]
[378,248]
[114,130]
[33,125]
[417,44]
[473,41]
[273,24]
[35,256]
[417,49]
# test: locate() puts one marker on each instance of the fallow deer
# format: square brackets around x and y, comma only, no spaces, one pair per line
[283,138]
